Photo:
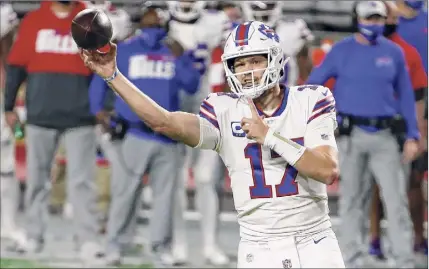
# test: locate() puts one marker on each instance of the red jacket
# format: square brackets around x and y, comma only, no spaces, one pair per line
[35,41]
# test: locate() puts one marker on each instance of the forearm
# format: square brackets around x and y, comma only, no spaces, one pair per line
[179,126]
[15,75]
[319,166]
[313,163]
[155,116]
[408,111]
[407,101]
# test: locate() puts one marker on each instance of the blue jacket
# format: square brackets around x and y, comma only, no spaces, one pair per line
[151,66]
[371,81]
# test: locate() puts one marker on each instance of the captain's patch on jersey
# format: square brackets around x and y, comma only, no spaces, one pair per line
[236,129]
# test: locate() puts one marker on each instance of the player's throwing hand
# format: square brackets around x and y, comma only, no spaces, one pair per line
[255,128]
[103,64]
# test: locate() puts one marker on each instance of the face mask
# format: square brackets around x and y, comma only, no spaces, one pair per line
[371,31]
[389,29]
[416,4]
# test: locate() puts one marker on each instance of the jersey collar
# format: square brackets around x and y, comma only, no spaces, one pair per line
[281,107]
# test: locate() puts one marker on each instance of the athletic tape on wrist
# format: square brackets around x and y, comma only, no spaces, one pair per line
[285,147]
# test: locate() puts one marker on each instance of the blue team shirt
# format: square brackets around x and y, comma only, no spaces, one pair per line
[371,81]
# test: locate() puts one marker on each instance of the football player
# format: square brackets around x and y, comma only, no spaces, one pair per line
[199,31]
[295,37]
[278,145]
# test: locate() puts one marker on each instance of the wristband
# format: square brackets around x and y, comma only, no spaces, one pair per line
[115,74]
[286,148]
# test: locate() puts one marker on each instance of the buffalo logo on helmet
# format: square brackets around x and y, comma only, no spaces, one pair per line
[268,32]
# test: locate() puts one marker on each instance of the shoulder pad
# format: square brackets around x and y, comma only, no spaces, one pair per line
[321,102]
[229,94]
[310,88]
[312,93]
[221,96]
[221,100]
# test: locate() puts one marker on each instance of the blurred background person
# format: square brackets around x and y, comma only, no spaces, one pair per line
[295,37]
[158,64]
[9,191]
[56,103]
[216,71]
[296,40]
[364,66]
[199,32]
[122,29]
[413,26]
[419,82]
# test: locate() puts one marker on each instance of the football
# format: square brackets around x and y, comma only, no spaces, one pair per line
[91,29]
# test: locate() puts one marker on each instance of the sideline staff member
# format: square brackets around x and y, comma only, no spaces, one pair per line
[369,71]
[419,81]
[167,70]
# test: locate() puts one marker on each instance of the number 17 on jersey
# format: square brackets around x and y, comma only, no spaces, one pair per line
[260,189]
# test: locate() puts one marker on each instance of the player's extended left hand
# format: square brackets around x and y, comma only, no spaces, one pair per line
[255,128]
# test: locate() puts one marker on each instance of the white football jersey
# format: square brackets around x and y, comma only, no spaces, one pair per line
[200,37]
[293,36]
[270,197]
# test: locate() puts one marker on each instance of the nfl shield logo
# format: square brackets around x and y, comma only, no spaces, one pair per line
[287,263]
[324,136]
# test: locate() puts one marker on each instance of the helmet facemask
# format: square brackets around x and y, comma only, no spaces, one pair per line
[270,77]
